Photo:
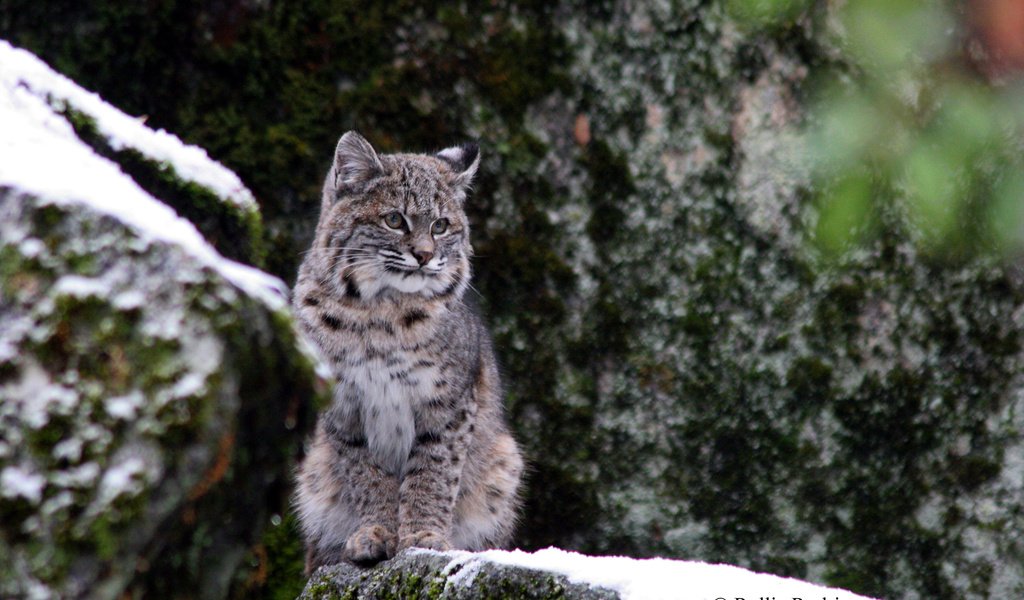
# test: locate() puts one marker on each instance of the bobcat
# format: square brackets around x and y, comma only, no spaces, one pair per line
[414,450]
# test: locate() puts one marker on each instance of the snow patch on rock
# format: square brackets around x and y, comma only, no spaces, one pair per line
[40,154]
[17,482]
[24,70]
[643,579]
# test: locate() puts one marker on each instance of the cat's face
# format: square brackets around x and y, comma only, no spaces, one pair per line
[394,224]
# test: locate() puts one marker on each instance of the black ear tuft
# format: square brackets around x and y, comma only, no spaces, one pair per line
[355,161]
[464,160]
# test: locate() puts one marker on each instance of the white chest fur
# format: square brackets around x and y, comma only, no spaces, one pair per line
[390,390]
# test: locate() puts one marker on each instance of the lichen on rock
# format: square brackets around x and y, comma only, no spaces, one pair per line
[436,576]
[152,392]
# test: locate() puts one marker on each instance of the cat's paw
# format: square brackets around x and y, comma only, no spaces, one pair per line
[370,544]
[431,540]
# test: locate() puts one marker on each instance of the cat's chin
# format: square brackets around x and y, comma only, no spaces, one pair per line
[422,283]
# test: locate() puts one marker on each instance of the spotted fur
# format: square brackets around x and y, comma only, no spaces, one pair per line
[414,450]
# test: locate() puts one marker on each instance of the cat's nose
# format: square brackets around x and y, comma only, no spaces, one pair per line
[423,256]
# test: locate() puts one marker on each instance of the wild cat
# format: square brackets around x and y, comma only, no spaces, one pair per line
[414,450]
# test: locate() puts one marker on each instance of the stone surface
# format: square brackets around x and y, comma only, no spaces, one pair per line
[148,408]
[430,575]
[553,573]
[153,395]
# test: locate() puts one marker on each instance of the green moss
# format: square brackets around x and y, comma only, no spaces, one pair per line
[58,427]
[809,380]
[104,540]
[56,564]
[8,370]
[46,219]
[281,565]
[324,589]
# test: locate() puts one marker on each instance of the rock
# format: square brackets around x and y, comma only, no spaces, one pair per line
[210,196]
[153,394]
[701,385]
[431,575]
[552,573]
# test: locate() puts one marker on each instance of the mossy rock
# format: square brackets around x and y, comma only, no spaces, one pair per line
[150,409]
[234,227]
[435,576]
[181,176]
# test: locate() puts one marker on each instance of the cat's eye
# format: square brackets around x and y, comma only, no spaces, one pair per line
[394,220]
[440,226]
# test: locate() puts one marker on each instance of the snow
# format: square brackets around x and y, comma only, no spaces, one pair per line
[21,68]
[122,478]
[40,154]
[15,482]
[129,299]
[124,407]
[80,287]
[648,579]
[31,248]
[69,449]
[41,397]
[82,476]
[192,384]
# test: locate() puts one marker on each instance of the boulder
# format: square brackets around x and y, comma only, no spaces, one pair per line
[694,381]
[153,394]
[202,191]
[553,573]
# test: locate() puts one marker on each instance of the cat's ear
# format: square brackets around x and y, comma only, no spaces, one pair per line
[355,161]
[464,160]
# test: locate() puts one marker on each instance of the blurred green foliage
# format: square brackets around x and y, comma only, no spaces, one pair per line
[915,130]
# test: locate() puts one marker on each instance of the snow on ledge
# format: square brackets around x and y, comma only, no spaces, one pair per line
[647,579]
[41,155]
[22,68]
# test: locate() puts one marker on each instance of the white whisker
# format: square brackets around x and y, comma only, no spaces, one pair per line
[472,287]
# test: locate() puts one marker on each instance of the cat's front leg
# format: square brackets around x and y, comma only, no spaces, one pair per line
[373,493]
[431,484]
[347,505]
